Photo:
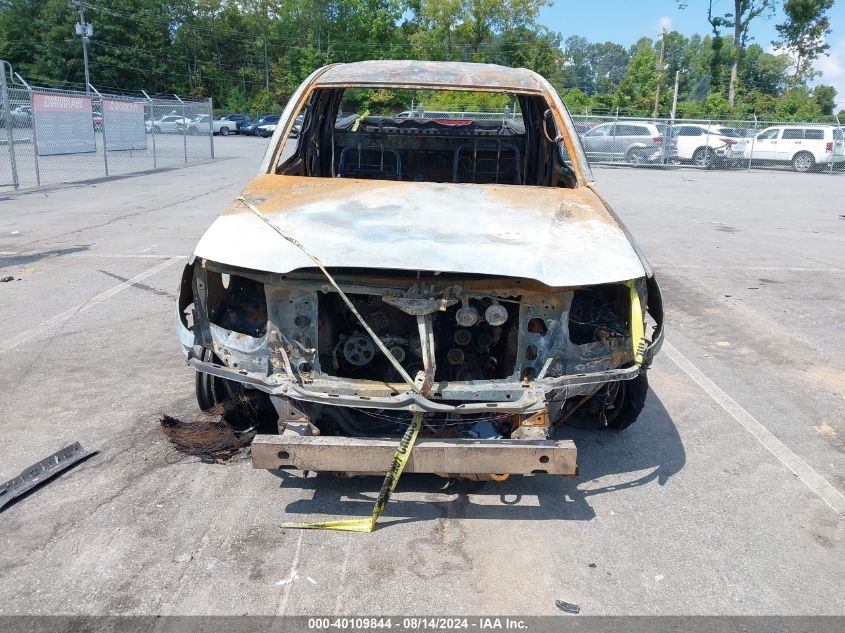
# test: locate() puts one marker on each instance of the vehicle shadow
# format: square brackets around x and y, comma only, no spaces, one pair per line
[649,451]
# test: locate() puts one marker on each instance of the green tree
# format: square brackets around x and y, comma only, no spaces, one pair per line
[825,98]
[636,91]
[744,13]
[803,34]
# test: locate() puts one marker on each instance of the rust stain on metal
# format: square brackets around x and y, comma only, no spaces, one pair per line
[284,194]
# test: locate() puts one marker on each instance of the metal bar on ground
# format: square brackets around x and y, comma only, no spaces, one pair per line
[42,471]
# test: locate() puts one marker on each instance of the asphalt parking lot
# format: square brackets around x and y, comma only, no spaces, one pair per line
[726,497]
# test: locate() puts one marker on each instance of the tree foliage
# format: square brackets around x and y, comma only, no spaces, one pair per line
[250,55]
[803,33]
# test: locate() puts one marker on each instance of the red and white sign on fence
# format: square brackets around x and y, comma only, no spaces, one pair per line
[64,123]
[123,122]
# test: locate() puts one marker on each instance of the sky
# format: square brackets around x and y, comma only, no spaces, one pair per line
[625,21]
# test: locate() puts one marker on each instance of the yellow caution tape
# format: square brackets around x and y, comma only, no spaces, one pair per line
[406,444]
[637,334]
[400,458]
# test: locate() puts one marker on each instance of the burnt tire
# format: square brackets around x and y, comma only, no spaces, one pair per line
[212,390]
[616,406]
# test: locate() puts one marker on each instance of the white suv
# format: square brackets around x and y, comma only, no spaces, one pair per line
[805,146]
[704,145]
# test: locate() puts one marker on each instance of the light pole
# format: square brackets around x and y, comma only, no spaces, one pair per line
[86,32]
[675,95]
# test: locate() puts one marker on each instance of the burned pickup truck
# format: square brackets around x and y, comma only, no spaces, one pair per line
[468,254]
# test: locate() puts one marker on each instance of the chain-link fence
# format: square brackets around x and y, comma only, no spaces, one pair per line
[52,136]
[713,143]
[693,143]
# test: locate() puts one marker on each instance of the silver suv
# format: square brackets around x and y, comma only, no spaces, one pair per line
[633,142]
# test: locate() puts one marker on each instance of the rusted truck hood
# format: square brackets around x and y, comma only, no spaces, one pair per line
[560,237]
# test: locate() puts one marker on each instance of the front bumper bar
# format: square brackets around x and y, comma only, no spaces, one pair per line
[441,456]
[477,397]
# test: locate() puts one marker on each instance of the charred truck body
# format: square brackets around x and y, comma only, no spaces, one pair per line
[476,249]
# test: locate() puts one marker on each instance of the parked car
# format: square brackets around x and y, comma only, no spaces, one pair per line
[238,119]
[267,119]
[805,147]
[199,125]
[168,124]
[495,293]
[265,130]
[704,145]
[634,142]
[21,116]
[741,132]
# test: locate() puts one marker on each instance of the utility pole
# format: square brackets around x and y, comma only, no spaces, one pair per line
[675,95]
[660,70]
[86,32]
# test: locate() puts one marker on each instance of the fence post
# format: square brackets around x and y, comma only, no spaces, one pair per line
[211,126]
[707,149]
[185,131]
[102,114]
[34,132]
[152,126]
[753,138]
[7,118]
[613,142]
[835,141]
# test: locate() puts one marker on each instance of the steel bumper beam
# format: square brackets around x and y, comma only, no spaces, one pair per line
[442,456]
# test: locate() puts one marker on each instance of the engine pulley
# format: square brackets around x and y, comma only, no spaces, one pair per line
[359,350]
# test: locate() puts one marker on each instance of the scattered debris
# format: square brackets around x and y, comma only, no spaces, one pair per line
[567,607]
[183,558]
[311,580]
[6,279]
[659,577]
[592,565]
[218,434]
[42,471]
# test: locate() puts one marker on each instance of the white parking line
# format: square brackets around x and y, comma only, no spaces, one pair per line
[806,473]
[283,603]
[85,305]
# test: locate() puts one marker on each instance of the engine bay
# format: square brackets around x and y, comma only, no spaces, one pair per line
[473,341]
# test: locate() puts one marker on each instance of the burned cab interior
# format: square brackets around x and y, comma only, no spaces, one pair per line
[347,134]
